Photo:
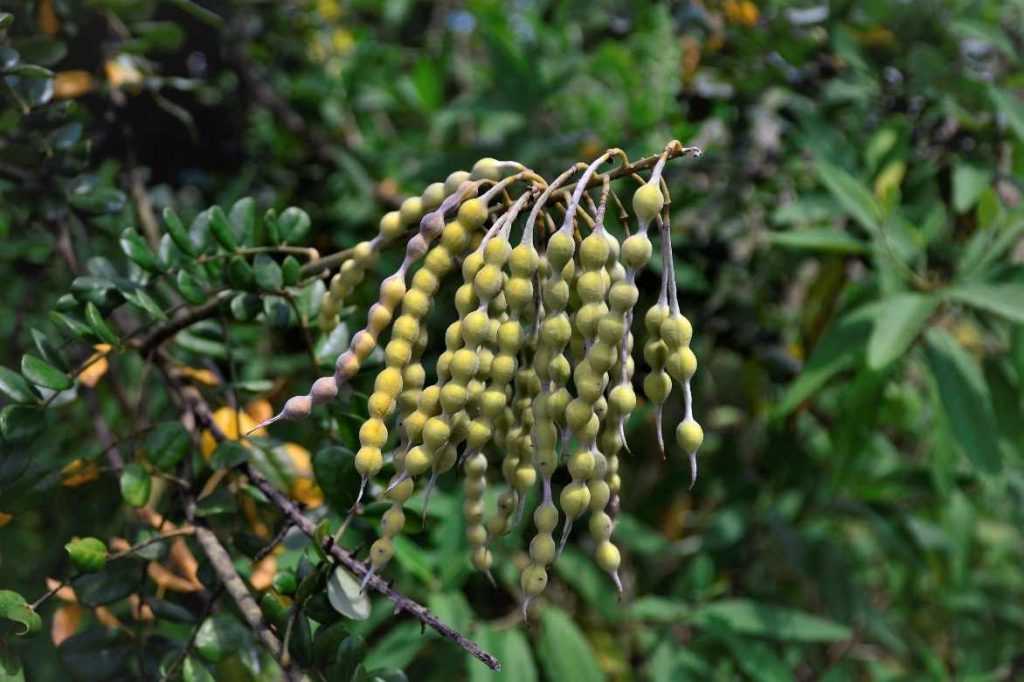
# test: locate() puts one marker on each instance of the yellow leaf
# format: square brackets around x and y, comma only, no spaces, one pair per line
[96,366]
[48,21]
[260,410]
[66,620]
[5,518]
[121,71]
[72,84]
[231,423]
[199,376]
[888,181]
[305,490]
[263,573]
[78,473]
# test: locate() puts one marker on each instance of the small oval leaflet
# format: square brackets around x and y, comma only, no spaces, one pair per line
[344,594]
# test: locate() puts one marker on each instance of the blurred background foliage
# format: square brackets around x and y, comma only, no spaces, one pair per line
[848,249]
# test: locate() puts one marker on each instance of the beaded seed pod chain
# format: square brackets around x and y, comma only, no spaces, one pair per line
[537,369]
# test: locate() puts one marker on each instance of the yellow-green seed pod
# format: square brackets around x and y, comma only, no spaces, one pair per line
[369,460]
[398,353]
[373,433]
[574,499]
[454,181]
[411,211]
[681,364]
[534,580]
[545,518]
[487,169]
[391,226]
[648,202]
[417,461]
[472,213]
[542,549]
[689,435]
[657,386]
[560,250]
[676,331]
[393,521]
[432,196]
[608,557]
[381,552]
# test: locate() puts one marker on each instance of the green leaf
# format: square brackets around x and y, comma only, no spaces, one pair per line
[290,270]
[166,444]
[115,582]
[1002,299]
[243,218]
[851,194]
[268,273]
[178,233]
[240,274]
[1010,108]
[136,248]
[221,229]
[293,224]
[91,199]
[42,374]
[135,485]
[194,671]
[190,288]
[146,303]
[221,636]
[968,184]
[823,239]
[98,325]
[965,399]
[509,646]
[229,454]
[245,307]
[346,597]
[168,610]
[562,649]
[75,327]
[21,422]
[748,617]
[96,654]
[838,349]
[397,648]
[87,554]
[6,19]
[335,471]
[900,319]
[14,386]
[14,607]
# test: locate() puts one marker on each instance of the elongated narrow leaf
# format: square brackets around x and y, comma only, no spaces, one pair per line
[99,326]
[511,647]
[852,195]
[1003,299]
[965,399]
[179,235]
[839,349]
[820,239]
[899,321]
[564,652]
[749,617]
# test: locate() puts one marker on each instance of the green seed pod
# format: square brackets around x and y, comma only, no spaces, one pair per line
[542,549]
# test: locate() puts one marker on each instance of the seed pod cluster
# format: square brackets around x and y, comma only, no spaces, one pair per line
[505,386]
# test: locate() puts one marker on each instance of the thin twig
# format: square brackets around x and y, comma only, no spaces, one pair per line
[402,603]
[222,565]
